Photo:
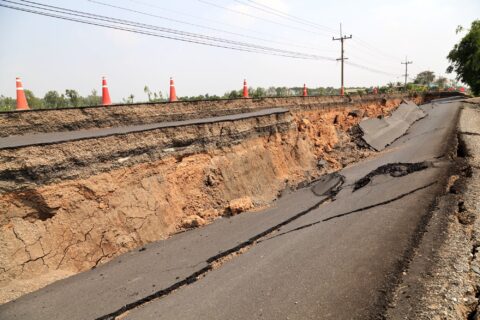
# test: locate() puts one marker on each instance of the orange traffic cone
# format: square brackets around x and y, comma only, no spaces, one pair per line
[105,94]
[22,103]
[305,90]
[173,93]
[245,89]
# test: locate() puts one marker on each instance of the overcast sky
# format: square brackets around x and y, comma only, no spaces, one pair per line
[52,54]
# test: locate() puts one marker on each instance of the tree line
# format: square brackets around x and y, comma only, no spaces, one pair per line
[71,98]
[424,81]
[52,100]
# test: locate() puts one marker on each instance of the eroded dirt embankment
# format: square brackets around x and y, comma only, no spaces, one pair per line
[48,120]
[68,207]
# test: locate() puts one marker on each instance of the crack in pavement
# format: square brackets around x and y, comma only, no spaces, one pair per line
[354,211]
[394,169]
[329,196]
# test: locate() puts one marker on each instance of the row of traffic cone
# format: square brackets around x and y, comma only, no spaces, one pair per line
[22,103]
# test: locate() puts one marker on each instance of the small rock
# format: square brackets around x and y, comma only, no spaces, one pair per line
[208,214]
[304,125]
[476,270]
[466,217]
[192,221]
[239,205]
[321,164]
[356,113]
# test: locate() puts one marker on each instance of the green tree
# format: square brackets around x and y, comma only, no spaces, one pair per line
[153,96]
[73,97]
[129,99]
[271,92]
[257,93]
[441,82]
[33,102]
[425,77]
[234,94]
[7,103]
[91,100]
[53,99]
[465,58]
[146,89]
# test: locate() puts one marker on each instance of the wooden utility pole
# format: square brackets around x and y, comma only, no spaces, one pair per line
[406,63]
[342,58]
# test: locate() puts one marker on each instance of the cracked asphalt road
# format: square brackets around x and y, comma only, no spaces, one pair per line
[333,256]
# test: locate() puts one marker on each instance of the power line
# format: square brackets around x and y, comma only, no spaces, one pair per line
[223,24]
[278,13]
[292,54]
[143,32]
[371,69]
[259,18]
[292,17]
[196,25]
[316,25]
[375,51]
[144,29]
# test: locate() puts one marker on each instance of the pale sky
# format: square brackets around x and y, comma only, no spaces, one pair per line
[52,54]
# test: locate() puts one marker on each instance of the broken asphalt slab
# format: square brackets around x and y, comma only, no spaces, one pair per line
[379,133]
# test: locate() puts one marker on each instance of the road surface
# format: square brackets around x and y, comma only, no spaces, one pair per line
[322,252]
[34,139]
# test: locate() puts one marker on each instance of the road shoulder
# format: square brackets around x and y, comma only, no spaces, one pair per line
[442,280]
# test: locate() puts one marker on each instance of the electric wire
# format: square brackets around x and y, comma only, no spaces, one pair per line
[198,25]
[260,18]
[139,31]
[359,41]
[284,15]
[139,28]
[166,30]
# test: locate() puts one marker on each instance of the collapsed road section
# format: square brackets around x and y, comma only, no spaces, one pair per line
[77,204]
[313,250]
[73,205]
